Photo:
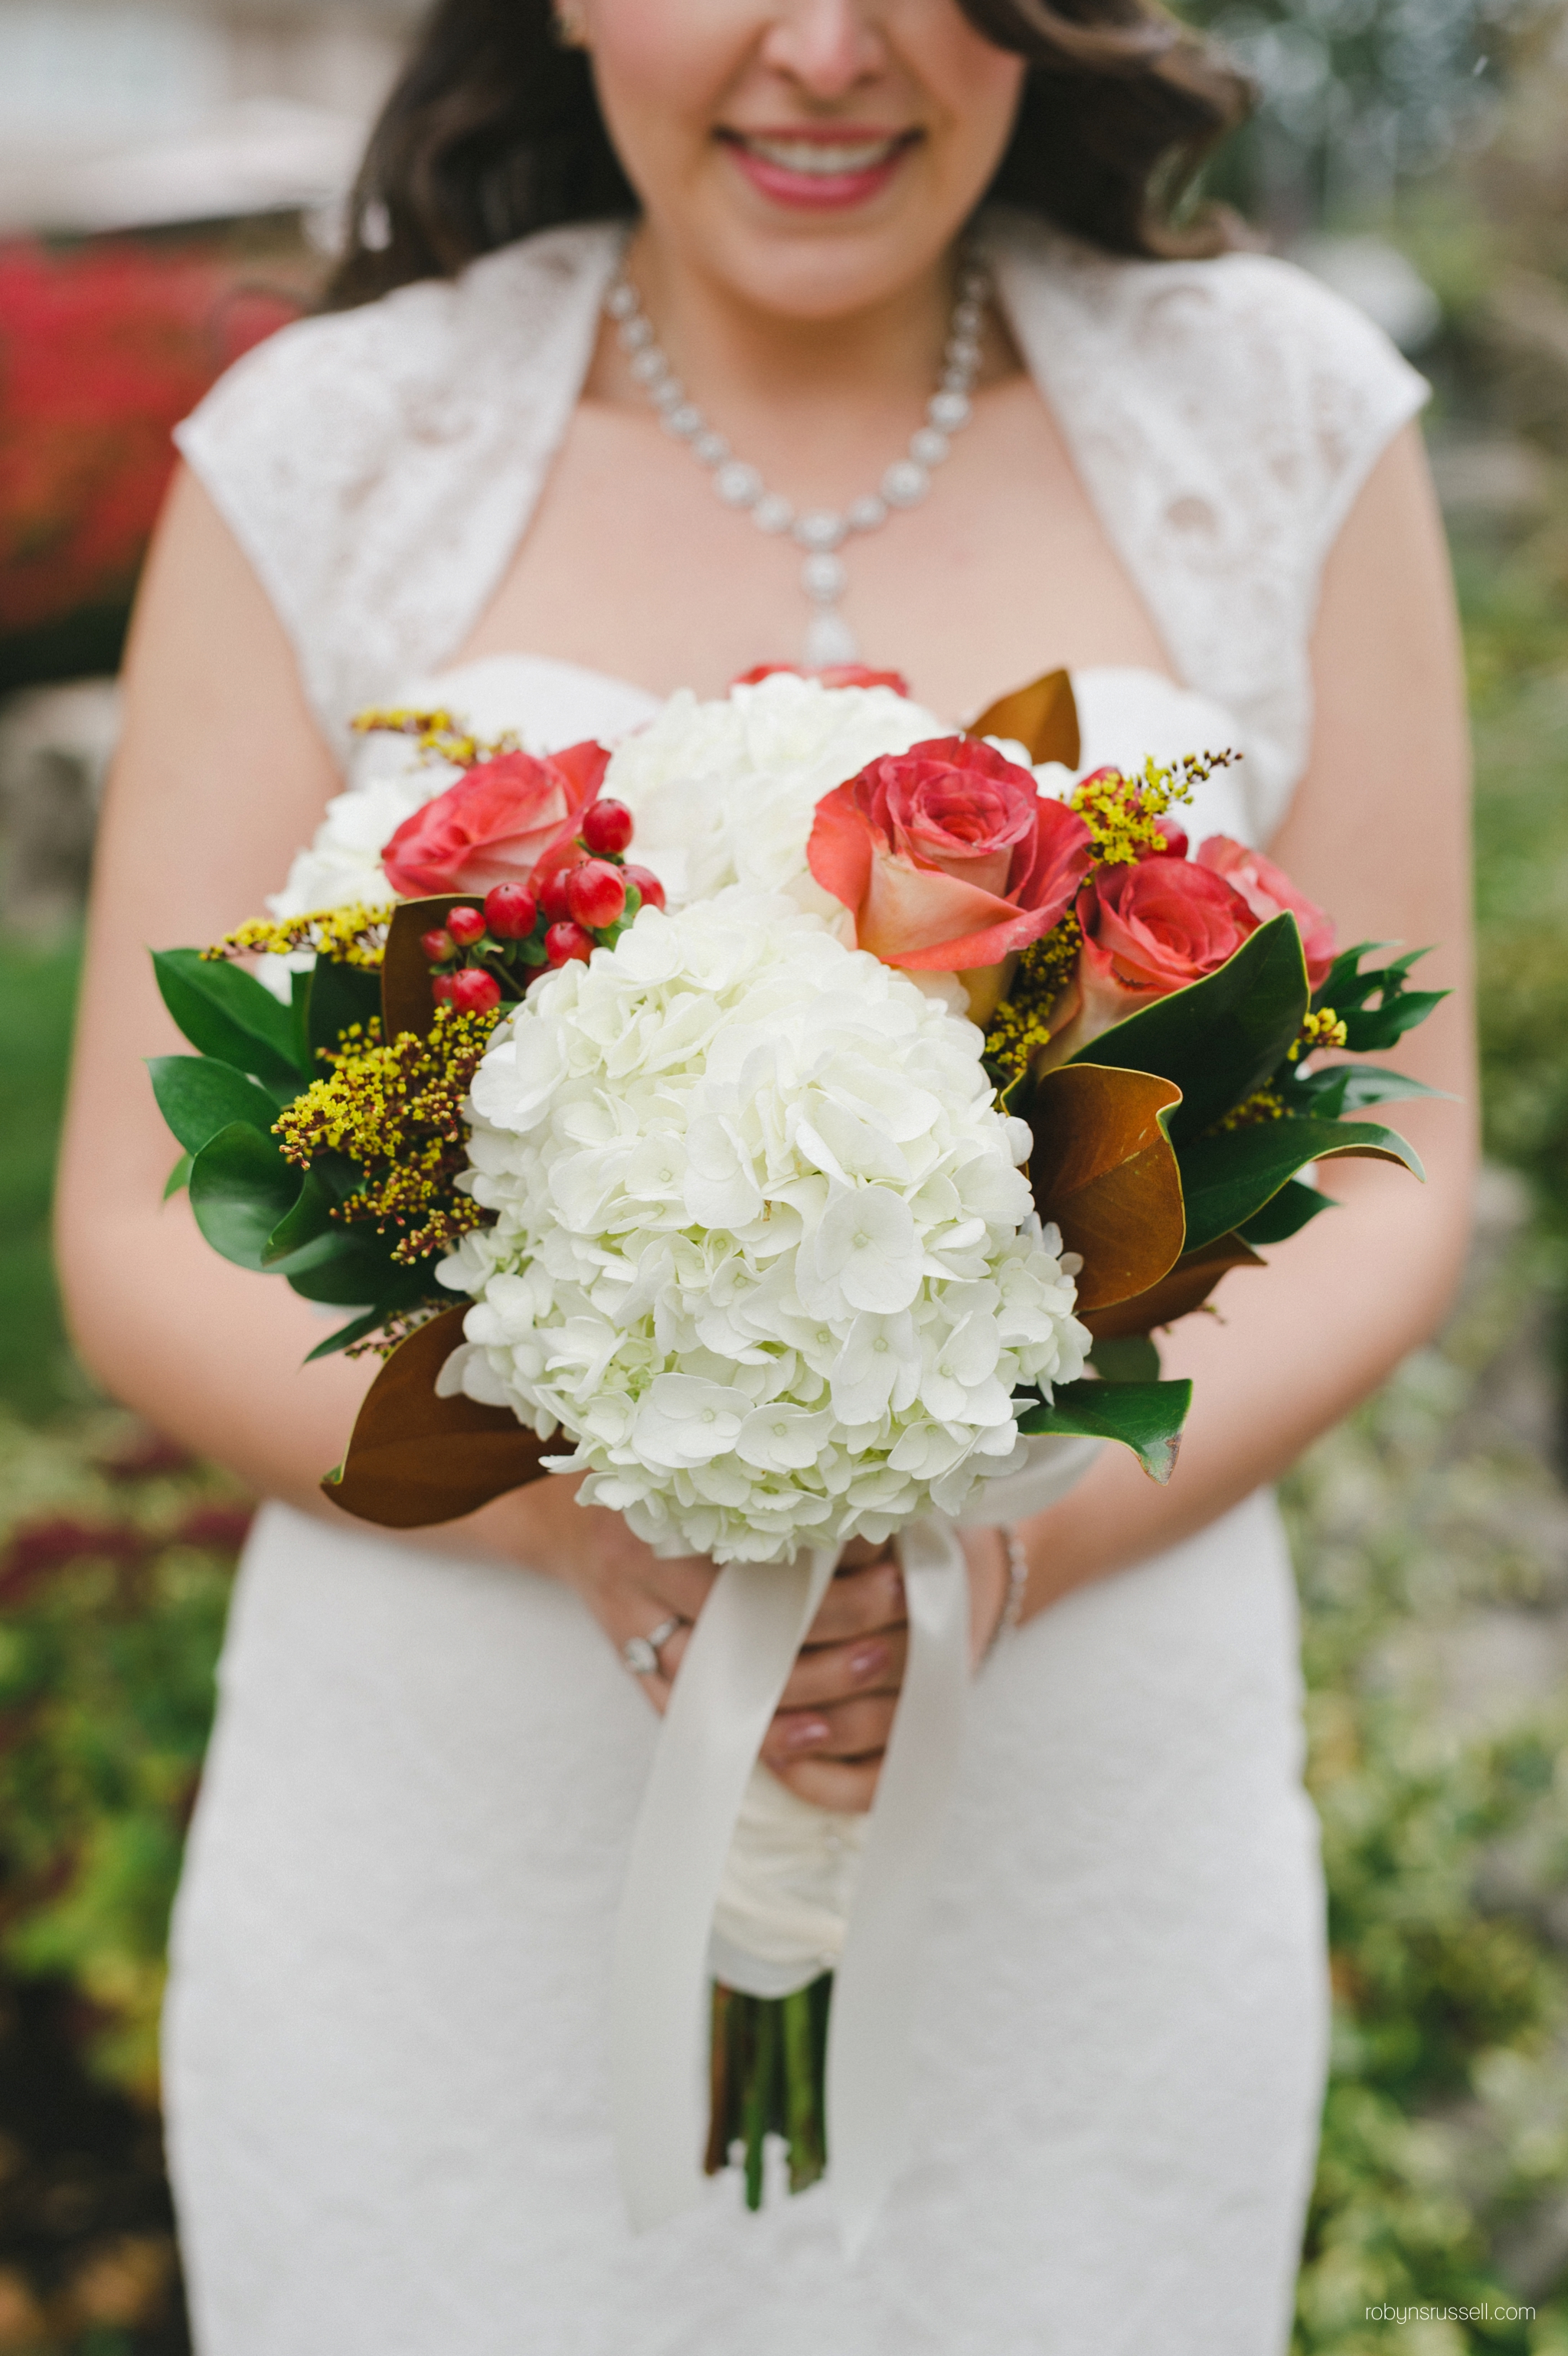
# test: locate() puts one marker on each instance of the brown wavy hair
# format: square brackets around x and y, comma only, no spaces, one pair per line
[493,131]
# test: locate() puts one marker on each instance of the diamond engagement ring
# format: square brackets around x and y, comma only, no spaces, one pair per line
[640,1654]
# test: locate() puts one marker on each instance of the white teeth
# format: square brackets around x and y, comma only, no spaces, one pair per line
[818,158]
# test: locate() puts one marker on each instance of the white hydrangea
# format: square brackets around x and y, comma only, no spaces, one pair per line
[724,792]
[342,864]
[762,1247]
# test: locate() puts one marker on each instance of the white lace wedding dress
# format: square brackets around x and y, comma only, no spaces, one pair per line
[385,2049]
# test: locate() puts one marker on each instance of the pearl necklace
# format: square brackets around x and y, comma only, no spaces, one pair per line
[820,532]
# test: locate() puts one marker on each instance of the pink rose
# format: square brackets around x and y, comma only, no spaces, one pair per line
[1149,928]
[1269,892]
[948,856]
[503,822]
[830,675]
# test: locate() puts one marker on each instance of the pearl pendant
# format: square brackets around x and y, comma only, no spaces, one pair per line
[829,641]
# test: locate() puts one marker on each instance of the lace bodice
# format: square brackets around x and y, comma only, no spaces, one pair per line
[380,466]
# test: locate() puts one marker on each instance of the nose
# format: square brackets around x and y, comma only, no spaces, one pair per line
[826,46]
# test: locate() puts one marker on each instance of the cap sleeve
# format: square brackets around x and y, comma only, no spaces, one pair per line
[1224,416]
[379,466]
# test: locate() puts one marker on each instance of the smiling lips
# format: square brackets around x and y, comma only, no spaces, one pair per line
[820,170]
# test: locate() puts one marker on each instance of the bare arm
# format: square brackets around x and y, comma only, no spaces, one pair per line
[1379,835]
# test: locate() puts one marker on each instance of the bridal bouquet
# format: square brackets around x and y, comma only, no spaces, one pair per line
[826,1176]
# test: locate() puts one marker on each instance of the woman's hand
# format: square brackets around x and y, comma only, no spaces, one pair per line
[837,1711]
[827,1739]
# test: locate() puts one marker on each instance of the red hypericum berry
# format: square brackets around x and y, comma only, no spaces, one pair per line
[564,942]
[552,895]
[438,946]
[596,894]
[647,884]
[440,987]
[509,911]
[474,991]
[465,925]
[606,826]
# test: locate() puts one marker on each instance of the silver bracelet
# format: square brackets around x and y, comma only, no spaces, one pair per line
[1018,1586]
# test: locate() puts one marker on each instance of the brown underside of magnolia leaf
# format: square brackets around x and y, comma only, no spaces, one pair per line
[406,1001]
[1186,1288]
[415,1459]
[1043,716]
[1104,1171]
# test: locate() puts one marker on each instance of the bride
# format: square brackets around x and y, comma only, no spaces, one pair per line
[1192,477]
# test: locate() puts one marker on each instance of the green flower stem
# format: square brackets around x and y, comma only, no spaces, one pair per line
[768,2060]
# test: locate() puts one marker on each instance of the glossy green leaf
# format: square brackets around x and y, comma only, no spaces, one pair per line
[357,1271]
[240,1187]
[1285,1214]
[339,996]
[1125,1358]
[1384,1026]
[305,1222]
[1220,1037]
[179,1177]
[1336,1089]
[199,1094]
[226,1014]
[1348,987]
[359,1329]
[1145,1417]
[1227,1180]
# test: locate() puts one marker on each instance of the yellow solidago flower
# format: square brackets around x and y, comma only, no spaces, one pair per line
[436,734]
[355,935]
[1323,1029]
[1022,1024]
[1122,813]
[396,1109]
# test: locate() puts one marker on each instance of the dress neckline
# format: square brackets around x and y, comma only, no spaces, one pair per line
[593,674]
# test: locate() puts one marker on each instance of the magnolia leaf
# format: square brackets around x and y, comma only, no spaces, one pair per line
[1042,716]
[1285,1214]
[414,1458]
[1102,1168]
[1186,1288]
[199,1094]
[1228,1179]
[406,1001]
[226,1014]
[1220,1038]
[1145,1417]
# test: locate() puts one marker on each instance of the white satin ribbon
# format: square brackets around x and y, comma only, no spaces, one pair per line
[734,1672]
[872,2020]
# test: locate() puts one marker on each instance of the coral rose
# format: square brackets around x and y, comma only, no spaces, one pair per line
[503,822]
[1149,928]
[1269,892]
[947,856]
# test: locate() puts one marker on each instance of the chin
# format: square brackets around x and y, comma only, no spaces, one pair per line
[825,268]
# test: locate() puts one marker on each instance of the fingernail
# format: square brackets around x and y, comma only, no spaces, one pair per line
[867,1660]
[805,1732]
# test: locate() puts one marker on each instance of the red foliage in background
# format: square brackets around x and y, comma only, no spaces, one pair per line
[103,348]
